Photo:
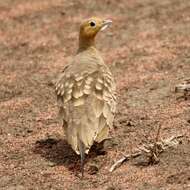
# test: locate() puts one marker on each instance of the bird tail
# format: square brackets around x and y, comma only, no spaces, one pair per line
[82,156]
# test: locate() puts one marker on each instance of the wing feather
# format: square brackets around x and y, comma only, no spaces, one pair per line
[88,102]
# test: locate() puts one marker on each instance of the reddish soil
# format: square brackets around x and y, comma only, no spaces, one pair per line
[148,50]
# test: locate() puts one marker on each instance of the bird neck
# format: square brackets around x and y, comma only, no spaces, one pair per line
[85,43]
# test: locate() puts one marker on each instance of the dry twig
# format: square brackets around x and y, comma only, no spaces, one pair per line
[123,159]
[149,149]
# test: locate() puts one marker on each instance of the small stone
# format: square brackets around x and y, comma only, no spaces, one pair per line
[93,169]
[51,164]
[110,188]
[141,160]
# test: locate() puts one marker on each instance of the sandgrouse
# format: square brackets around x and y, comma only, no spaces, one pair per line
[86,92]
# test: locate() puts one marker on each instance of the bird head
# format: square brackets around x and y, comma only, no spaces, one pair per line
[92,26]
[89,29]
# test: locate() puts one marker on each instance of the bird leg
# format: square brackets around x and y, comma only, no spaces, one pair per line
[82,156]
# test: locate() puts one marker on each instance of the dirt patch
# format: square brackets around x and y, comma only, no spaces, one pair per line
[148,50]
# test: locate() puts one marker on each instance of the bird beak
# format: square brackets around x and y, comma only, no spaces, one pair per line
[105,24]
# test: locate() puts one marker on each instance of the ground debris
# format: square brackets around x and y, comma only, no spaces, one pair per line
[184,87]
[151,150]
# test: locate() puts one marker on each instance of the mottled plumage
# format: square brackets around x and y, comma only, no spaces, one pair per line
[86,93]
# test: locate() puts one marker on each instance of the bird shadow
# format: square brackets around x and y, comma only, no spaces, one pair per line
[59,152]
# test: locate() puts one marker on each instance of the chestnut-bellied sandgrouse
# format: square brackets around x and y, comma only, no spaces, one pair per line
[86,92]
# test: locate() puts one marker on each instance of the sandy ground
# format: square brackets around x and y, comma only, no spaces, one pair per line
[148,50]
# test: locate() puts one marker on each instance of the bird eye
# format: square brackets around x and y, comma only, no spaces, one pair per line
[92,23]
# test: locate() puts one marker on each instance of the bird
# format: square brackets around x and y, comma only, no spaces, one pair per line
[86,92]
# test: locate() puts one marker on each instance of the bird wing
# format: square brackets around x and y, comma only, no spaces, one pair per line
[87,103]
